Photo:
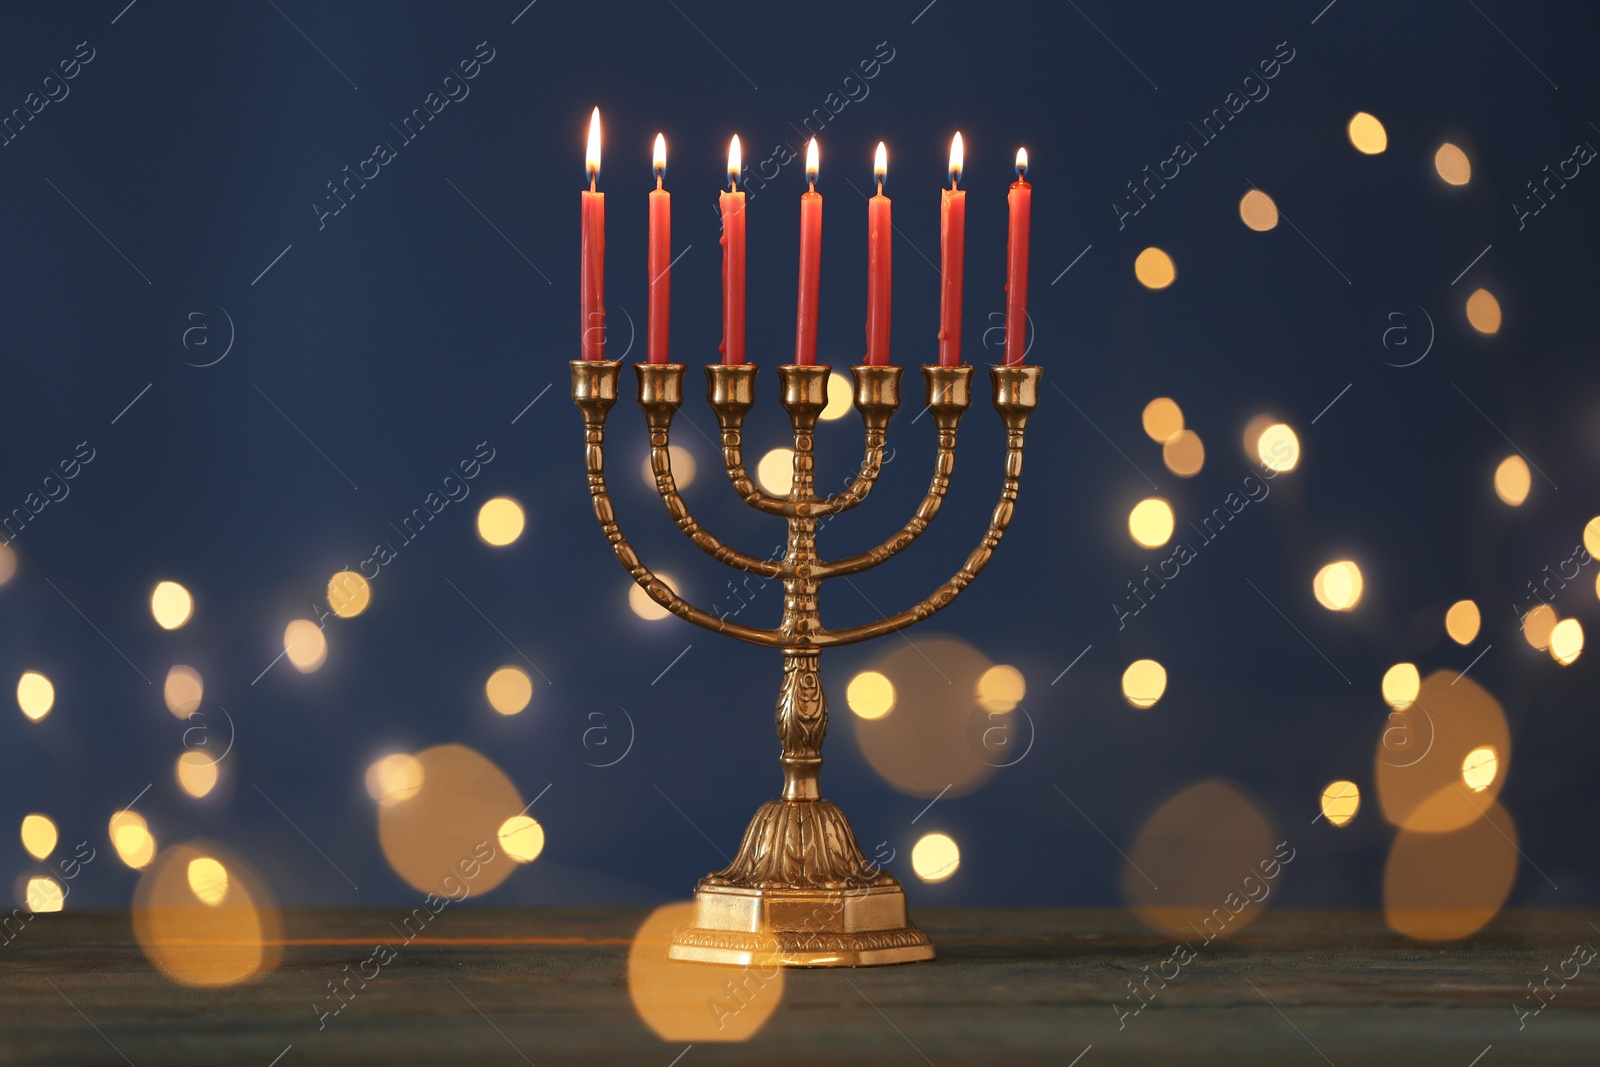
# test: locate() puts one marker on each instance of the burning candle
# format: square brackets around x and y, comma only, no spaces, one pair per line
[660,258]
[592,261]
[880,231]
[1021,200]
[952,251]
[732,203]
[805,331]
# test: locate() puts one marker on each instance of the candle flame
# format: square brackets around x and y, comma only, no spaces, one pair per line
[1022,162]
[660,162]
[811,161]
[880,163]
[957,158]
[735,162]
[592,157]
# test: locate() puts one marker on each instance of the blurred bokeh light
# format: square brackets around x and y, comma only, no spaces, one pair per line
[1150,522]
[196,773]
[1338,586]
[1278,448]
[500,521]
[1538,624]
[1162,419]
[1191,868]
[1367,133]
[451,825]
[396,777]
[1461,622]
[171,605]
[643,606]
[870,695]
[1512,480]
[682,1001]
[1443,886]
[39,835]
[775,471]
[132,840]
[935,857]
[305,645]
[36,695]
[1452,164]
[1258,211]
[1420,766]
[1001,688]
[840,399]
[349,594]
[1401,684]
[1483,311]
[1155,269]
[204,918]
[522,838]
[1184,453]
[1340,802]
[183,690]
[1566,641]
[933,740]
[509,689]
[1143,683]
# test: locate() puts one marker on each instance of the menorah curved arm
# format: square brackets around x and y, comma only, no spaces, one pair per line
[949,396]
[1016,395]
[594,390]
[660,395]
[877,397]
[730,388]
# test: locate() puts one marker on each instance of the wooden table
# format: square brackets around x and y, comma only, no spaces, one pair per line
[493,986]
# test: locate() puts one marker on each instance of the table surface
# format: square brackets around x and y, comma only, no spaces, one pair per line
[500,986]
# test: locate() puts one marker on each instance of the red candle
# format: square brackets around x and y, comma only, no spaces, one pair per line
[660,258]
[1021,200]
[880,231]
[952,251]
[592,268]
[805,331]
[732,203]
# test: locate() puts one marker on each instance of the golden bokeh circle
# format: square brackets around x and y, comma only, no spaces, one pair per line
[1452,164]
[1155,269]
[196,773]
[1483,312]
[1367,134]
[1143,683]
[509,690]
[1340,802]
[1512,480]
[683,1001]
[775,471]
[841,397]
[1258,211]
[1203,865]
[927,744]
[870,695]
[204,918]
[1462,621]
[39,835]
[1338,586]
[1150,523]
[36,695]
[1421,763]
[171,604]
[935,857]
[1278,448]
[1184,453]
[183,690]
[349,594]
[446,833]
[642,604]
[501,521]
[1162,418]
[305,645]
[1443,886]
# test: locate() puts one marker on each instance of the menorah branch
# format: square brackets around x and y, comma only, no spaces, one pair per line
[660,396]
[730,388]
[1016,394]
[877,397]
[949,396]
[594,390]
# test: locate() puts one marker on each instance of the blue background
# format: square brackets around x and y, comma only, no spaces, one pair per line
[403,331]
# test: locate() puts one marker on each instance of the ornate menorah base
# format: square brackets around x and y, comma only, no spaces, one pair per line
[857,918]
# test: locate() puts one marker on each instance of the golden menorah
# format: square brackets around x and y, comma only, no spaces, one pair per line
[800,892]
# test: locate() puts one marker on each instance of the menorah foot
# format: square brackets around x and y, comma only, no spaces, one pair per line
[800,894]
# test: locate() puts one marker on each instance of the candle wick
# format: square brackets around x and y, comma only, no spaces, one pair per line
[592,177]
[811,182]
[658,179]
[880,186]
